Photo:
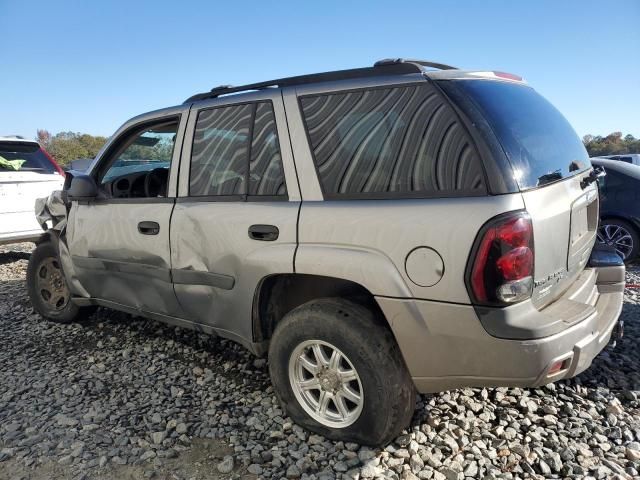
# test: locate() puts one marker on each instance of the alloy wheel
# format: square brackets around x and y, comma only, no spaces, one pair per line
[617,237]
[326,384]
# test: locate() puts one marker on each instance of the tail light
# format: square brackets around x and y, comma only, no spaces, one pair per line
[53,162]
[500,268]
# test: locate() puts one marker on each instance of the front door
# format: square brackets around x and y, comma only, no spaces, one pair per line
[119,243]
[235,218]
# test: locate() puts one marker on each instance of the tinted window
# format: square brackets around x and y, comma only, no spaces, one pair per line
[29,157]
[220,149]
[390,141]
[538,140]
[266,173]
[233,144]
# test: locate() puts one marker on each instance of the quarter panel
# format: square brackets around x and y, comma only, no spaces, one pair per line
[334,235]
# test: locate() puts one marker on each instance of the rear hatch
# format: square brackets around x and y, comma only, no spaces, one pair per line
[27,175]
[548,163]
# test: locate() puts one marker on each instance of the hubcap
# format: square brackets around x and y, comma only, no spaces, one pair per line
[326,384]
[617,237]
[51,285]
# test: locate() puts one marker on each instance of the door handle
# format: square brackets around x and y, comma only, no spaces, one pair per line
[149,228]
[265,233]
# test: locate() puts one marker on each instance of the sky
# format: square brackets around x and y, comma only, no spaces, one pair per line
[88,66]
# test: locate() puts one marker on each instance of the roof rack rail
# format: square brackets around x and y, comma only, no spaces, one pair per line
[421,63]
[393,66]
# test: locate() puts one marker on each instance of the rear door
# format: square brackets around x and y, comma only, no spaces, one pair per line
[549,163]
[34,178]
[235,217]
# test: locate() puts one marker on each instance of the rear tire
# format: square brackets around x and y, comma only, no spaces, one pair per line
[47,287]
[620,235]
[339,355]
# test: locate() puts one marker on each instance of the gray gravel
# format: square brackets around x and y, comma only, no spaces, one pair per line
[121,392]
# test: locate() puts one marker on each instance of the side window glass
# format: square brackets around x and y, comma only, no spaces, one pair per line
[140,166]
[234,145]
[219,153]
[389,142]
[266,173]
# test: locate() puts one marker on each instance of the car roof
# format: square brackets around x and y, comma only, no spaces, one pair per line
[16,138]
[625,168]
[382,71]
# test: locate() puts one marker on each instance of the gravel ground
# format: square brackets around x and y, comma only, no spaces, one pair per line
[122,397]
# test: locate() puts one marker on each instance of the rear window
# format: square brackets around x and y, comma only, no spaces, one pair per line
[540,143]
[33,157]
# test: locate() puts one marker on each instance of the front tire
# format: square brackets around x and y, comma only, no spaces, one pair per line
[337,371]
[47,286]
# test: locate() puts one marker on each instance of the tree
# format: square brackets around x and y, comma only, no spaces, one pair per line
[612,144]
[68,146]
[44,138]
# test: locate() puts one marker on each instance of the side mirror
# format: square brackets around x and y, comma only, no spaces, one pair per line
[83,187]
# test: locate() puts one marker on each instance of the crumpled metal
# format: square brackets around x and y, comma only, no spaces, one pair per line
[51,213]
[52,208]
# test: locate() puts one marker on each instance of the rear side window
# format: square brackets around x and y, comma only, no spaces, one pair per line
[541,145]
[266,177]
[25,157]
[386,142]
[219,155]
[236,152]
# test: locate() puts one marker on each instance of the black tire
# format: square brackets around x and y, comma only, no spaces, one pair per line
[632,231]
[43,261]
[389,394]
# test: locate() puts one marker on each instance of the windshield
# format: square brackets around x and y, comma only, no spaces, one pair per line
[541,145]
[24,157]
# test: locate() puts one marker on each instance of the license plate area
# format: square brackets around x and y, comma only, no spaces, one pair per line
[582,234]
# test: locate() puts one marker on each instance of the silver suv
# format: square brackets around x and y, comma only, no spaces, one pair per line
[377,231]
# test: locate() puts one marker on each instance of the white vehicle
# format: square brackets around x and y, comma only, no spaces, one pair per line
[633,158]
[27,172]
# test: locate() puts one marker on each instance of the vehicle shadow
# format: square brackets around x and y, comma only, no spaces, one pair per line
[10,257]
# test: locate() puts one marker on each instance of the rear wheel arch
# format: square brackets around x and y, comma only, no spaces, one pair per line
[278,294]
[614,216]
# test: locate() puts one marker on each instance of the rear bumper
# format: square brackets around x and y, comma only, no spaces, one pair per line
[445,346]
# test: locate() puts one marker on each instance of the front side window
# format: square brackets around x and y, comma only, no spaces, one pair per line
[236,152]
[391,141]
[139,167]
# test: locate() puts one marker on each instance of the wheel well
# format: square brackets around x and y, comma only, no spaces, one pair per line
[630,221]
[278,294]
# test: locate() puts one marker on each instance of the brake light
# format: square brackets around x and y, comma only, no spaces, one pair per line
[53,162]
[502,261]
[508,76]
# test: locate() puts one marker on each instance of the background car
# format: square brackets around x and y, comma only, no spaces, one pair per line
[27,172]
[633,158]
[80,164]
[620,207]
